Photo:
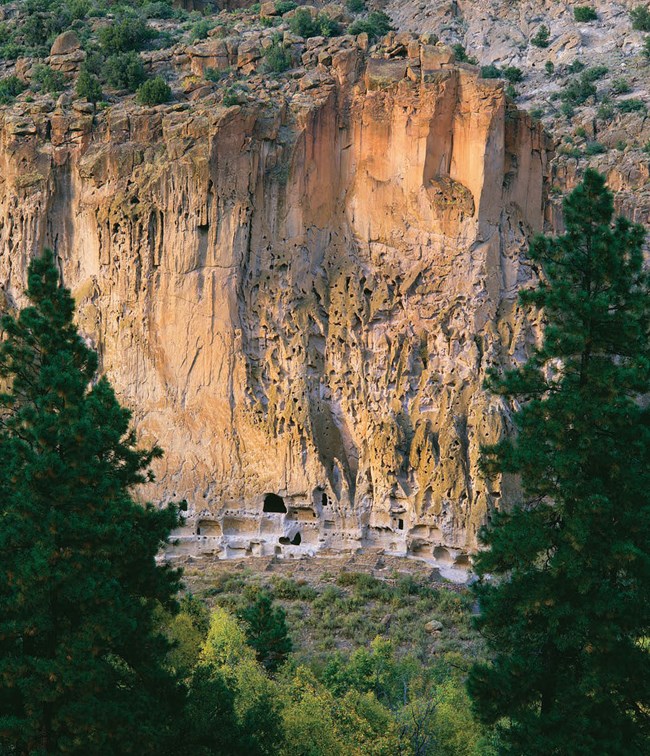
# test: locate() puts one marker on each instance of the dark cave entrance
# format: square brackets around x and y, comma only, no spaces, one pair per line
[274,503]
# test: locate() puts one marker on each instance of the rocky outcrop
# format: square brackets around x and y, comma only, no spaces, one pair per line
[299,297]
[599,132]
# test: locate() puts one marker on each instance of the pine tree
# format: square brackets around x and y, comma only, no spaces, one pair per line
[80,660]
[565,577]
[267,632]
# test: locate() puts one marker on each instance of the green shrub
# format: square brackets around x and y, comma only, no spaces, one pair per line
[640,17]
[6,34]
[292,590]
[490,72]
[356,6]
[605,110]
[461,55]
[230,97]
[285,6]
[576,66]
[303,24]
[549,67]
[10,88]
[327,26]
[200,30]
[573,152]
[595,148]
[215,75]
[566,108]
[621,86]
[542,38]
[646,46]
[88,86]
[48,80]
[79,9]
[584,13]
[578,91]
[513,74]
[595,73]
[12,51]
[40,29]
[276,58]
[125,71]
[537,114]
[155,91]
[158,9]
[376,24]
[633,105]
[126,35]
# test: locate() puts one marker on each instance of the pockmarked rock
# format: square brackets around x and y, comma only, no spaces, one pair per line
[299,295]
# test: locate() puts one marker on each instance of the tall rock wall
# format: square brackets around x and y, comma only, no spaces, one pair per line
[300,299]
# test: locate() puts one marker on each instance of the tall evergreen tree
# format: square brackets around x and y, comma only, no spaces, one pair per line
[267,632]
[80,660]
[565,577]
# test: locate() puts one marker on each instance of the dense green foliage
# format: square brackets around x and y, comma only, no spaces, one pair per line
[80,660]
[640,17]
[88,86]
[10,88]
[584,13]
[125,35]
[633,105]
[380,692]
[621,86]
[277,58]
[542,37]
[566,609]
[305,25]
[578,90]
[125,71]
[461,55]
[356,6]
[154,91]
[376,24]
[47,79]
[267,632]
[285,6]
[511,73]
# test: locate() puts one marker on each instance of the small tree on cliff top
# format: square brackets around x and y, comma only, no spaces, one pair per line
[80,661]
[568,615]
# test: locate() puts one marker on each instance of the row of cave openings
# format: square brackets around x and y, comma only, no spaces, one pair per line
[274,504]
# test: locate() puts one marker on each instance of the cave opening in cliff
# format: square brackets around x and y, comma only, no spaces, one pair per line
[324,499]
[274,503]
[400,524]
[296,540]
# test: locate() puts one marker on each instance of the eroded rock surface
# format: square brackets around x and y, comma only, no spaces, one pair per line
[298,296]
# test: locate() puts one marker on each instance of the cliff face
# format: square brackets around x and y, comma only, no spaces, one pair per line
[298,298]
[609,130]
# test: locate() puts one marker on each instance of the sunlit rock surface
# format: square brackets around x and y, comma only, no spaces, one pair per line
[298,297]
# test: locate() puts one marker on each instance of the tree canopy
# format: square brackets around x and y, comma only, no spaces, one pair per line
[80,659]
[565,588]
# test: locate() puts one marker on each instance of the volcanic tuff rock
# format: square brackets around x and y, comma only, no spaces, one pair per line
[299,296]
[499,32]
